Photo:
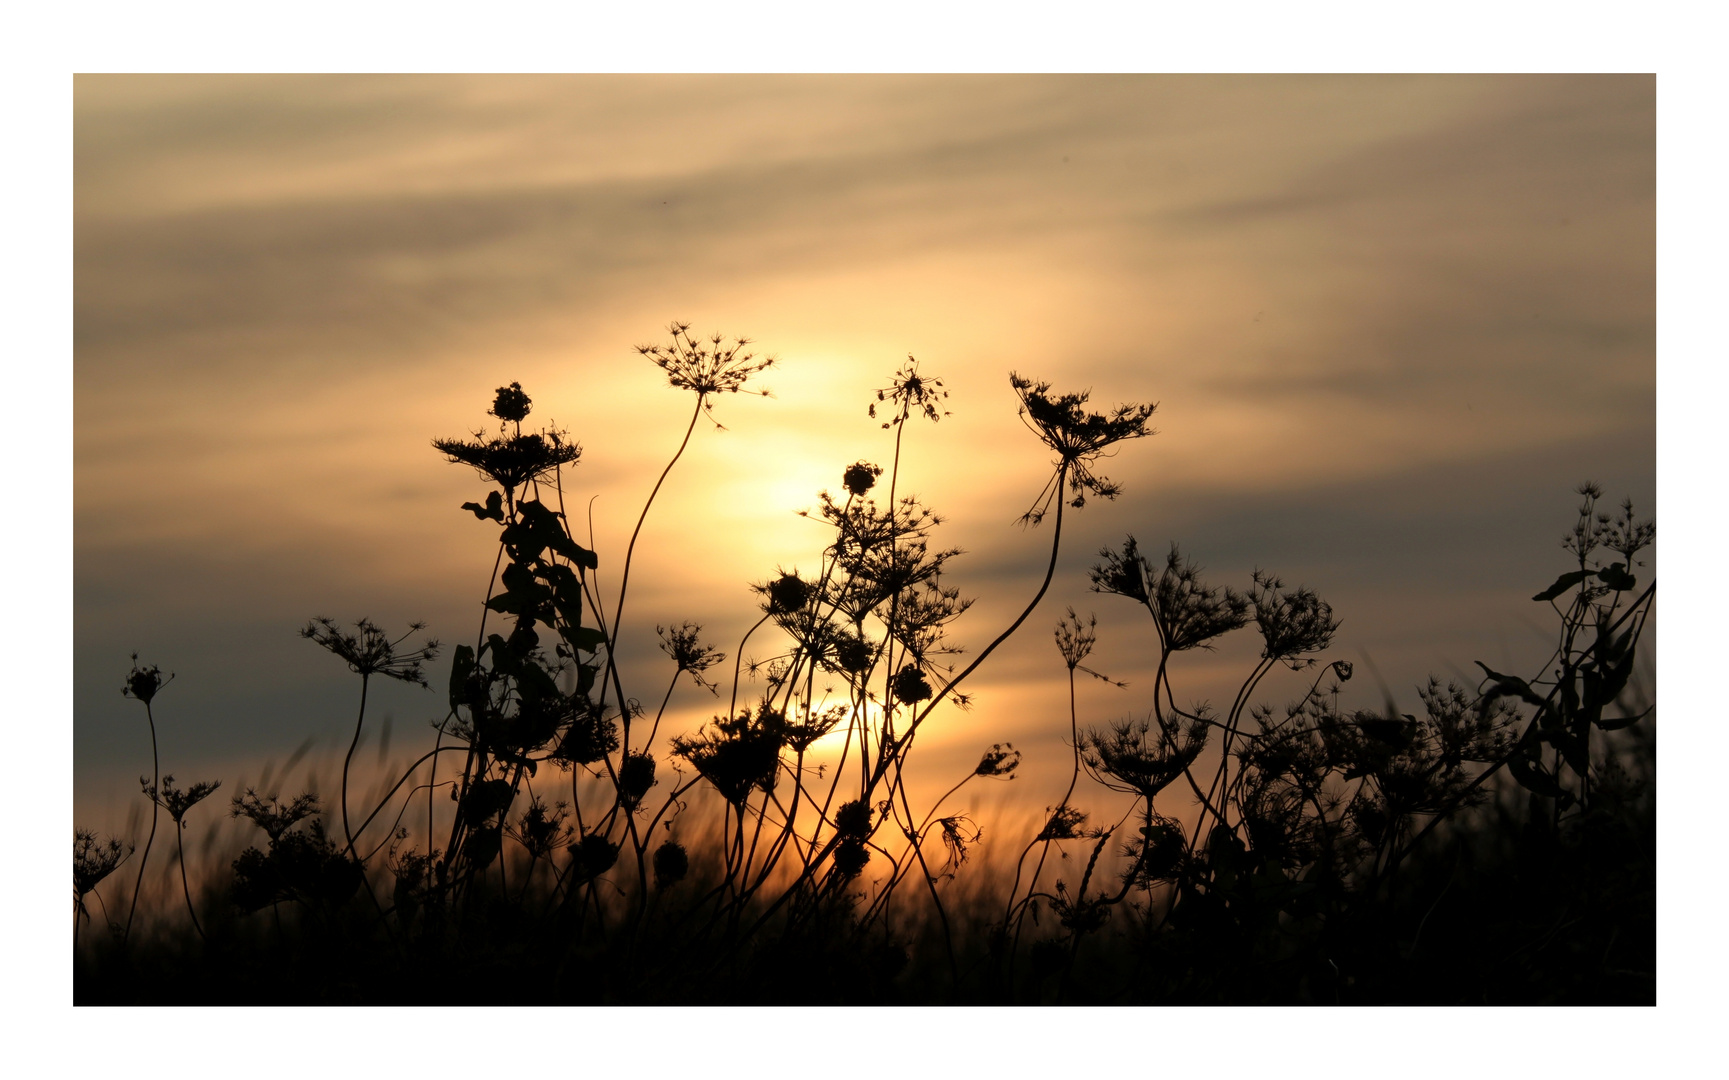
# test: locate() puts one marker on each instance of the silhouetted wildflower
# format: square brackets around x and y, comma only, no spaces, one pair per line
[852,653]
[958,832]
[635,778]
[706,367]
[1187,613]
[511,461]
[1291,624]
[1079,438]
[1137,760]
[860,477]
[671,863]
[413,872]
[589,738]
[681,644]
[540,831]
[270,814]
[910,685]
[303,865]
[93,861]
[511,403]
[1064,824]
[370,651]
[594,855]
[853,819]
[485,801]
[802,734]
[1157,854]
[737,754]
[911,392]
[787,593]
[1075,641]
[174,800]
[1002,759]
[851,857]
[143,683]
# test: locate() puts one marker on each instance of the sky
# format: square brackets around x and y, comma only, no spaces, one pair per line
[1390,323]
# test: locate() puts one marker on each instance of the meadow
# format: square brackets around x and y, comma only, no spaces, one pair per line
[556,841]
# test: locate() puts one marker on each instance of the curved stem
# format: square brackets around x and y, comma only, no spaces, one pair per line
[1050,571]
[365,679]
[187,889]
[738,665]
[624,580]
[155,783]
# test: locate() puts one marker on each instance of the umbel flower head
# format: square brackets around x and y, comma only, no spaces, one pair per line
[1079,438]
[706,367]
[511,459]
[270,813]
[909,392]
[691,656]
[93,861]
[370,651]
[174,800]
[510,462]
[143,683]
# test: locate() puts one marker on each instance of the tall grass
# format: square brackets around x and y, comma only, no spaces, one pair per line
[555,841]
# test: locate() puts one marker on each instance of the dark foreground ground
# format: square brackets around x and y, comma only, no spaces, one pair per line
[1507,911]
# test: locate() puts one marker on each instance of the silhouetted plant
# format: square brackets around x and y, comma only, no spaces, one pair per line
[301,866]
[177,802]
[143,684]
[1302,816]
[93,861]
[1310,811]
[369,651]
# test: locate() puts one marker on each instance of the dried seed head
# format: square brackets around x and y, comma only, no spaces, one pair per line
[853,819]
[671,864]
[788,593]
[861,476]
[910,685]
[511,403]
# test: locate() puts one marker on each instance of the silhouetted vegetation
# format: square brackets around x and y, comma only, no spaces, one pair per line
[554,844]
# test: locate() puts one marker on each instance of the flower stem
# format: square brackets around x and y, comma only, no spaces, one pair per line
[364,680]
[155,782]
[180,843]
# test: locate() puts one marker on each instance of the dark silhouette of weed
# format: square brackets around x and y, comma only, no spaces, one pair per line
[1322,853]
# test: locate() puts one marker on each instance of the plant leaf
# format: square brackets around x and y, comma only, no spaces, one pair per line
[1562,584]
[1615,576]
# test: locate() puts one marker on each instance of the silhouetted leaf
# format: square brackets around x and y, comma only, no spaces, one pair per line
[1616,723]
[504,660]
[494,508]
[1533,776]
[1510,686]
[461,667]
[486,799]
[482,847]
[586,638]
[1615,576]
[534,683]
[1562,584]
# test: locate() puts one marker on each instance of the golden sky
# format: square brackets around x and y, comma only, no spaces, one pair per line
[1390,323]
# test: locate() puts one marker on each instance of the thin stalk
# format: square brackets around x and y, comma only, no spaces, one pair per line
[365,679]
[624,579]
[180,843]
[936,699]
[155,784]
